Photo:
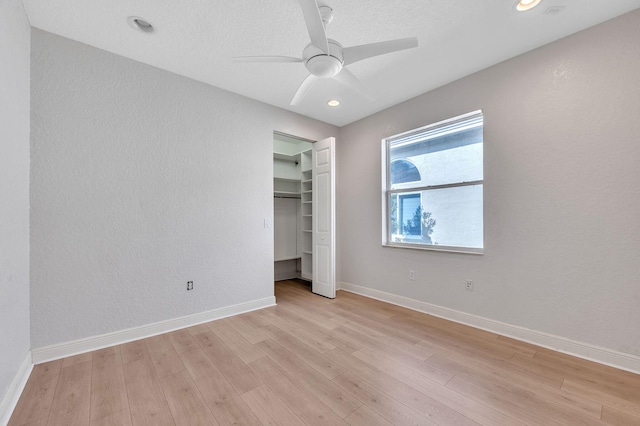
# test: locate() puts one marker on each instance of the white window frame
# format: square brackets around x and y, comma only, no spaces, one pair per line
[435,129]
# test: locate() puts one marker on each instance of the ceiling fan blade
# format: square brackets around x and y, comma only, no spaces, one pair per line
[347,78]
[315,26]
[307,83]
[365,51]
[266,59]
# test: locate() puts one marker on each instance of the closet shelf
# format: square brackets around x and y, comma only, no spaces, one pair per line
[286,194]
[286,179]
[286,157]
[287,258]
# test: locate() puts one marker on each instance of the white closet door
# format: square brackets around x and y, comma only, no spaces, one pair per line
[324,236]
[285,228]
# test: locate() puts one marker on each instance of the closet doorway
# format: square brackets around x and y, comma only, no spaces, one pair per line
[304,211]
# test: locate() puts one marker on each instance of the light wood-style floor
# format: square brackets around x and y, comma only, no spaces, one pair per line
[316,361]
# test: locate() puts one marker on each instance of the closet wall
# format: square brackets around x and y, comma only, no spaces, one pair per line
[288,219]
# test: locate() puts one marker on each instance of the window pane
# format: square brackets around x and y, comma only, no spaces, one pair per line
[443,159]
[403,171]
[410,214]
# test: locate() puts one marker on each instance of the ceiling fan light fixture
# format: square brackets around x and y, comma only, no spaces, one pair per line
[324,66]
[140,24]
[524,5]
[333,103]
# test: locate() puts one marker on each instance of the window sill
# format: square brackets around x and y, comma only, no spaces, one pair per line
[449,249]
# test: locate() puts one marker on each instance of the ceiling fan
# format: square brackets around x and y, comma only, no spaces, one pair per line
[326,58]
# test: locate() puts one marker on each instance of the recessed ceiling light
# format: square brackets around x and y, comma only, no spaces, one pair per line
[524,5]
[333,103]
[140,24]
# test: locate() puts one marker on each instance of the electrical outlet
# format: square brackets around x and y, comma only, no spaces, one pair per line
[189,285]
[412,275]
[469,285]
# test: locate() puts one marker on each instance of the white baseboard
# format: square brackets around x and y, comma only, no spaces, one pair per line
[53,352]
[10,399]
[581,350]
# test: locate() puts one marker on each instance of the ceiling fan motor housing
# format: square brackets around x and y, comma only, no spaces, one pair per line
[321,64]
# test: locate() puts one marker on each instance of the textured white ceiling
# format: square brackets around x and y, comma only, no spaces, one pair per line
[198,38]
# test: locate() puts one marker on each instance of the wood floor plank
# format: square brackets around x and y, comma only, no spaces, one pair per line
[324,333]
[506,407]
[472,370]
[182,340]
[121,418]
[239,374]
[490,348]
[389,408]
[107,356]
[224,402]
[360,307]
[246,330]
[196,329]
[37,397]
[407,366]
[399,353]
[523,365]
[613,387]
[523,348]
[146,400]
[284,322]
[185,401]
[558,405]
[269,408]
[454,328]
[605,398]
[434,410]
[312,357]
[311,317]
[133,351]
[108,389]
[42,421]
[305,376]
[482,413]
[617,417]
[392,332]
[365,416]
[305,405]
[165,359]
[526,406]
[77,359]
[581,368]
[238,344]
[72,401]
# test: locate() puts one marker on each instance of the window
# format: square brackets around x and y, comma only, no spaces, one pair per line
[433,186]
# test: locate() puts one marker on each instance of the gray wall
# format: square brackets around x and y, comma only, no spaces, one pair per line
[561,191]
[14,190]
[142,180]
